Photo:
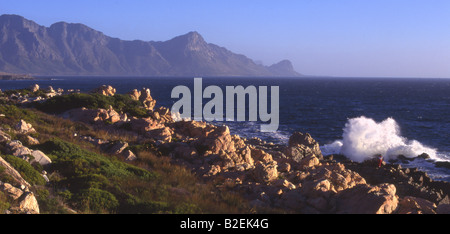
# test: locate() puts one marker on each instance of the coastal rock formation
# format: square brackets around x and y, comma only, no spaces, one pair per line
[302,146]
[106,90]
[147,99]
[34,88]
[366,199]
[293,178]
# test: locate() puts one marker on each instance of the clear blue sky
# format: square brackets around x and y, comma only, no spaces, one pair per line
[376,38]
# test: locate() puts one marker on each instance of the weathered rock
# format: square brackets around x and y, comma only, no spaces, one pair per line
[415,205]
[261,155]
[129,155]
[282,183]
[113,116]
[284,167]
[135,94]
[265,172]
[34,88]
[143,125]
[28,204]
[105,90]
[309,161]
[161,134]
[366,199]
[193,129]
[40,158]
[217,140]
[17,149]
[11,191]
[301,140]
[24,127]
[147,100]
[302,146]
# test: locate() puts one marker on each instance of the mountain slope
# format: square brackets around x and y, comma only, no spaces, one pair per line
[75,49]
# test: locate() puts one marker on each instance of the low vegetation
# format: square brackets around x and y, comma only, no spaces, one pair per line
[120,102]
[83,179]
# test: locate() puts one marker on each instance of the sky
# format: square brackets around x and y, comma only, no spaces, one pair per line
[345,38]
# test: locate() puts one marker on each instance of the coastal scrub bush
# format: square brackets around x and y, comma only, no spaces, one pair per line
[14,114]
[75,161]
[97,201]
[4,204]
[25,169]
[120,103]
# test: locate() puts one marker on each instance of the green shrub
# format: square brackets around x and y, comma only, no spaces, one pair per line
[4,204]
[15,114]
[71,160]
[120,103]
[25,169]
[97,201]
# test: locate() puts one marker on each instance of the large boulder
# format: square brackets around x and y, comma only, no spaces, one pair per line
[265,173]
[24,127]
[147,100]
[302,146]
[17,149]
[416,205]
[367,199]
[135,94]
[40,158]
[11,191]
[106,90]
[143,125]
[218,140]
[34,88]
[28,204]
[161,134]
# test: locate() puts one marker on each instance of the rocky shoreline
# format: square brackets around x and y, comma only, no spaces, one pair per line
[293,178]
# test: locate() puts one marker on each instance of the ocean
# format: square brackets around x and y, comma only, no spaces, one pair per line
[358,117]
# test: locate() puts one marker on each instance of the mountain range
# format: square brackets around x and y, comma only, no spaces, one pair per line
[69,49]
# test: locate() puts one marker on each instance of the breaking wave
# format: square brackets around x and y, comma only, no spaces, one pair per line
[363,138]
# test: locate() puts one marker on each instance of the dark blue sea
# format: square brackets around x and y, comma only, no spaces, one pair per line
[358,117]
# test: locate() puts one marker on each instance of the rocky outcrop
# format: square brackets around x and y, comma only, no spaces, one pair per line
[24,127]
[95,116]
[409,181]
[302,146]
[40,157]
[147,100]
[34,88]
[366,199]
[106,90]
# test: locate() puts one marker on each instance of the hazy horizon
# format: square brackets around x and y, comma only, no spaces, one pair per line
[349,38]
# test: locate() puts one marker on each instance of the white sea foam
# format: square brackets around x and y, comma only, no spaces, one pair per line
[363,138]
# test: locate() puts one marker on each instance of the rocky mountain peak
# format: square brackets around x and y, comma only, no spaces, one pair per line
[76,49]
